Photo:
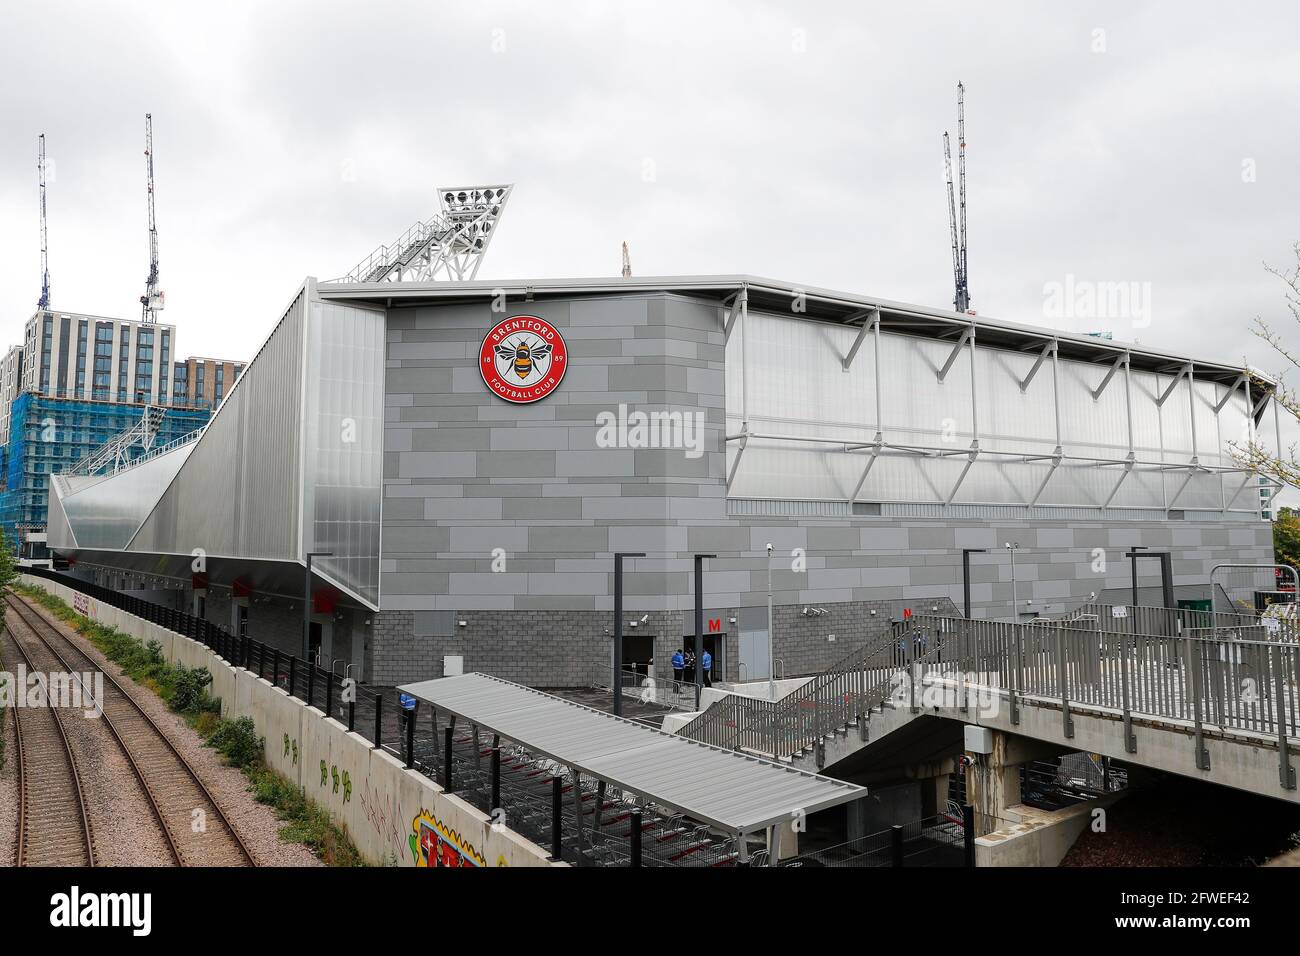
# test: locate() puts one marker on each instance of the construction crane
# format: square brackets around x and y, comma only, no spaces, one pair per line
[151,303]
[627,262]
[44,302]
[957,207]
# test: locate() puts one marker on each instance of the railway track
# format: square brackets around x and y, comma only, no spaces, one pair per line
[53,822]
[193,823]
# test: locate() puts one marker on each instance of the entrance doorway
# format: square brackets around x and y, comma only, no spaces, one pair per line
[716,645]
[638,654]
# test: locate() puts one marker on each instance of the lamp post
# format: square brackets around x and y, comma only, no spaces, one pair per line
[699,626]
[965,575]
[618,627]
[771,659]
[1133,556]
[306,604]
[1011,549]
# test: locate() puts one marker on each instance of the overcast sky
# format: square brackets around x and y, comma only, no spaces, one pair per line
[1155,146]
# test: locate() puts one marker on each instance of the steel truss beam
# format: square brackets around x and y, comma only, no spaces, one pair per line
[1119,360]
[1227,396]
[1263,400]
[872,321]
[738,303]
[1048,349]
[1185,370]
[967,335]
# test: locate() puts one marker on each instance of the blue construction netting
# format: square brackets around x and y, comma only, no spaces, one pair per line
[47,436]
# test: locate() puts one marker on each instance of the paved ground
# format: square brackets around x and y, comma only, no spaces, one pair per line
[603,700]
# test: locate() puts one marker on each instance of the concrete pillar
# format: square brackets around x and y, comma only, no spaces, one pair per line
[787,838]
[993,778]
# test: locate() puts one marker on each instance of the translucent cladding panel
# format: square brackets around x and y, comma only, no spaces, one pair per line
[1009,419]
[1215,432]
[918,409]
[1176,419]
[1201,491]
[58,534]
[1093,427]
[1148,442]
[796,373]
[798,388]
[104,513]
[238,492]
[343,441]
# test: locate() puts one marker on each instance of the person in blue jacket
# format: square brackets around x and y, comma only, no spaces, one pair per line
[706,662]
[679,664]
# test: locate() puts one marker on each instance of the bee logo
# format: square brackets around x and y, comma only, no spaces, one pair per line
[523,359]
[523,355]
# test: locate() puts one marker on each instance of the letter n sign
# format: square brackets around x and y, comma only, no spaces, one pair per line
[715,625]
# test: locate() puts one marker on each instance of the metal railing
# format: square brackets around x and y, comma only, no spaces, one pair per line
[943,839]
[348,701]
[842,694]
[639,683]
[1212,679]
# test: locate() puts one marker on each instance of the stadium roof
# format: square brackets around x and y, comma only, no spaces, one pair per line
[734,792]
[774,295]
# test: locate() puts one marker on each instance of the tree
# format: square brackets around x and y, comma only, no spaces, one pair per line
[8,571]
[1286,537]
[1285,467]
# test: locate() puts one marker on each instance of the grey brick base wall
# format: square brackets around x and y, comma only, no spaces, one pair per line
[573,648]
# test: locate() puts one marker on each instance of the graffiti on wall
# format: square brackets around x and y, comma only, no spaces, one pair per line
[291,746]
[330,772]
[433,843]
[382,815]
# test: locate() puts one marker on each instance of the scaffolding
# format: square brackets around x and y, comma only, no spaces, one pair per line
[54,435]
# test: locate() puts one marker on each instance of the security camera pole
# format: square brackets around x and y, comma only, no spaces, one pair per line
[306,605]
[771,660]
[699,626]
[618,627]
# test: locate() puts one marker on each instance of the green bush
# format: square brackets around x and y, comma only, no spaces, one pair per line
[238,742]
[189,689]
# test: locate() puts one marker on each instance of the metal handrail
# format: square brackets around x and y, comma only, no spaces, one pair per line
[841,694]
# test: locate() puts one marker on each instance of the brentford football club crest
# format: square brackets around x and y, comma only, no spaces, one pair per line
[523,359]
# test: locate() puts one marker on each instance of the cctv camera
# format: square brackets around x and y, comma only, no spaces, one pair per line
[644,618]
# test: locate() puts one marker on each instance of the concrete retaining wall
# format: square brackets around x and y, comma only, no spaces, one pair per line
[394,816]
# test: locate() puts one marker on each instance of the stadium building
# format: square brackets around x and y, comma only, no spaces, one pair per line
[462,459]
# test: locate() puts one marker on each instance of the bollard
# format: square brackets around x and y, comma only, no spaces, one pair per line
[446,762]
[896,845]
[557,817]
[379,720]
[635,837]
[410,738]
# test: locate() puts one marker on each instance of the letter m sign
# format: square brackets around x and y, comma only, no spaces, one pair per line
[715,625]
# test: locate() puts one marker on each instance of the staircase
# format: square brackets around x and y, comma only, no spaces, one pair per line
[840,697]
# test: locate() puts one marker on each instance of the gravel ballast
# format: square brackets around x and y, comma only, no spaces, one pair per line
[257,824]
